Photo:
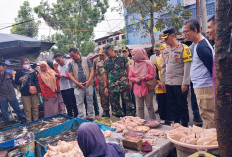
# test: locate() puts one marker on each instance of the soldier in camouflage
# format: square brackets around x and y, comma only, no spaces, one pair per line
[98,69]
[116,82]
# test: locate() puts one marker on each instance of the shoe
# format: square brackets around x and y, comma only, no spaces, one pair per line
[97,117]
[91,119]
[106,114]
[197,119]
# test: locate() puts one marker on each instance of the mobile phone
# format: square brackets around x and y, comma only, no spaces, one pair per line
[57,75]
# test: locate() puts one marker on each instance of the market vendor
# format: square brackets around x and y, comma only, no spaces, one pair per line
[92,142]
[7,95]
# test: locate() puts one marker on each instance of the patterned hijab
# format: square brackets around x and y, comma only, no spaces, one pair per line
[48,77]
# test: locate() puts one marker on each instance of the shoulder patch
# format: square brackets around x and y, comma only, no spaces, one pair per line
[186,55]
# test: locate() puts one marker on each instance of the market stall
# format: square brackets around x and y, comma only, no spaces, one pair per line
[133,134]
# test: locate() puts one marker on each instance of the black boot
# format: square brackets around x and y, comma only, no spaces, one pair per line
[106,114]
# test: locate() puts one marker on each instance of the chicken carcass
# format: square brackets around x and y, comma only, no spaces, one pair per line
[64,149]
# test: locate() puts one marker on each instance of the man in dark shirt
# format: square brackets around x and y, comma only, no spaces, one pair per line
[7,95]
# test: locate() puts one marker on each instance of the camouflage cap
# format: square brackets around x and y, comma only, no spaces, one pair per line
[107,47]
[125,48]
[157,45]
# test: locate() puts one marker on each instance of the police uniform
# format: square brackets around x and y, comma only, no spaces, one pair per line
[175,72]
[118,81]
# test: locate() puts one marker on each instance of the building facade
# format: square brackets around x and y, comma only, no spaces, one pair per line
[135,37]
[115,39]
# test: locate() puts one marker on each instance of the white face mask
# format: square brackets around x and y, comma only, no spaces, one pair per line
[26,66]
[37,68]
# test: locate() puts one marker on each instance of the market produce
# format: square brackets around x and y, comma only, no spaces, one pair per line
[64,149]
[68,136]
[33,127]
[128,123]
[134,134]
[194,135]
[142,128]
[152,124]
[150,141]
[107,133]
[106,121]
[146,147]
[156,132]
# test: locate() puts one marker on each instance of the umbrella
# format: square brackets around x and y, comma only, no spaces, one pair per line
[18,46]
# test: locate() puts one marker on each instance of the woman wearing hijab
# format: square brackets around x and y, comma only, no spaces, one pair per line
[53,102]
[141,71]
[26,78]
[93,144]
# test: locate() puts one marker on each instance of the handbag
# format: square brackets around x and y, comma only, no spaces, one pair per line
[32,89]
[151,84]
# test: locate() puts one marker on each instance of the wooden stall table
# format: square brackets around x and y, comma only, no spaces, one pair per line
[162,148]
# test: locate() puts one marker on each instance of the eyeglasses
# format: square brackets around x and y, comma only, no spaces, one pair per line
[124,51]
[185,32]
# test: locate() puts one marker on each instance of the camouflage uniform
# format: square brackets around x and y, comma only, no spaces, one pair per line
[98,69]
[115,68]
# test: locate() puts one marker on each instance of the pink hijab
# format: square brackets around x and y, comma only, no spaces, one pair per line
[141,60]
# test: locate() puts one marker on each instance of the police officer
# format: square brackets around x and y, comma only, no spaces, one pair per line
[116,82]
[175,77]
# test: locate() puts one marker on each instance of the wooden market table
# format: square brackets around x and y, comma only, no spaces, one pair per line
[162,148]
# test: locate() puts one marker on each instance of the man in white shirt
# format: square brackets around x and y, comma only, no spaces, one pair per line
[66,85]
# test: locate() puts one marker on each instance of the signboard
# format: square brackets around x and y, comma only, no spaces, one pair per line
[188,2]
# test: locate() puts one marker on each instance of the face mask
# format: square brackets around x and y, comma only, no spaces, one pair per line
[37,68]
[26,66]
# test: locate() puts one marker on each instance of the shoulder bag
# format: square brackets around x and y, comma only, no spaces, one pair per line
[32,89]
[151,84]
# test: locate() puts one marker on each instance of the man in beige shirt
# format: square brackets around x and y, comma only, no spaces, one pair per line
[175,77]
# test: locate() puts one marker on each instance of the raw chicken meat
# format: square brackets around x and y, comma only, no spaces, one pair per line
[194,135]
[128,123]
[142,128]
[155,132]
[150,141]
[64,149]
[107,133]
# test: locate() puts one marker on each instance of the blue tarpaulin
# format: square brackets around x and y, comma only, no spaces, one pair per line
[72,123]
[10,143]
[103,127]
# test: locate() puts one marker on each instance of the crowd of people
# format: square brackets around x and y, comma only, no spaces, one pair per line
[126,81]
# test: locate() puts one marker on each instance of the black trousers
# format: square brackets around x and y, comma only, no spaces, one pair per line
[162,105]
[177,105]
[70,102]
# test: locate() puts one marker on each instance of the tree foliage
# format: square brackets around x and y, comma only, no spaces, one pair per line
[74,20]
[148,16]
[30,28]
[87,47]
[176,16]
